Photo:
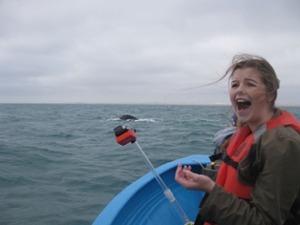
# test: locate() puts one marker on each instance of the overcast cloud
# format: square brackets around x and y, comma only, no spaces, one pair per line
[93,51]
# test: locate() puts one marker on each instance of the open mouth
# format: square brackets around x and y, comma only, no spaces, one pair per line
[242,104]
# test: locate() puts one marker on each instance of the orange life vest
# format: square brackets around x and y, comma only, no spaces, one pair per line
[237,149]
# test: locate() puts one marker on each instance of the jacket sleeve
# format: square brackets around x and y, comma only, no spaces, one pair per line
[274,191]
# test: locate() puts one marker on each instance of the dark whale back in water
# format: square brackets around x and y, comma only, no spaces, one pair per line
[127,117]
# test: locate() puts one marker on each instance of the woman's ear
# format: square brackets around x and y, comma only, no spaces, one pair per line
[271,97]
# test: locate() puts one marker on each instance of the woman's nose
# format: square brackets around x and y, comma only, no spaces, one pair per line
[240,89]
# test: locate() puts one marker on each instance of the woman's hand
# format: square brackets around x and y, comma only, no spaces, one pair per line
[193,181]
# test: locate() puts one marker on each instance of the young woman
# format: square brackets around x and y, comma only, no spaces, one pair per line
[258,182]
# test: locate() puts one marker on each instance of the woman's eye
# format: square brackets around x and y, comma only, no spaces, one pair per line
[251,85]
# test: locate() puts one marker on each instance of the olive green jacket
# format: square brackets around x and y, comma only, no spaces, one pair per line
[272,167]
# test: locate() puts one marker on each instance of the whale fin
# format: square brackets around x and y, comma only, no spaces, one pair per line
[127,117]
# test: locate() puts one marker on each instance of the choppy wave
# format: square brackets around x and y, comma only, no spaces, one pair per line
[131,120]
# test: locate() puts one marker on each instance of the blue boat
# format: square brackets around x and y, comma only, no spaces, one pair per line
[143,202]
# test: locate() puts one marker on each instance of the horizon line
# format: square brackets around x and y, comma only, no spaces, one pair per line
[133,103]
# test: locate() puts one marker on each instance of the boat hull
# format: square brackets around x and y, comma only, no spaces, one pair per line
[143,202]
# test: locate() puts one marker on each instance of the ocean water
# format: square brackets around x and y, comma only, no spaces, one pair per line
[60,163]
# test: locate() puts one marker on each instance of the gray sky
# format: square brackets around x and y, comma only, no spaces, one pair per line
[103,51]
